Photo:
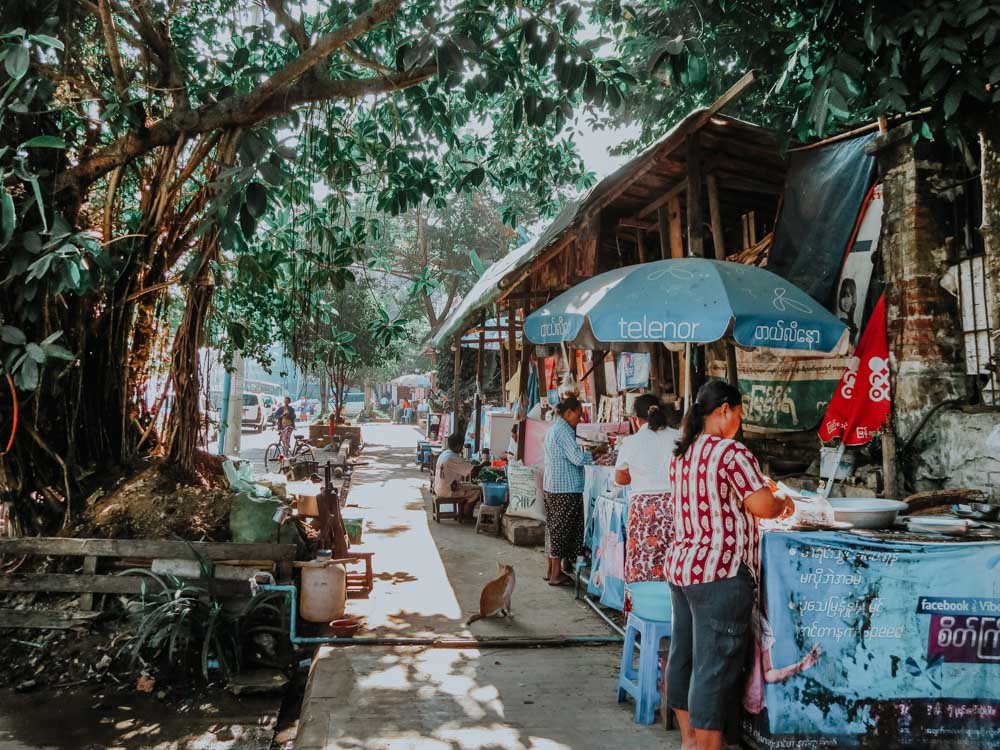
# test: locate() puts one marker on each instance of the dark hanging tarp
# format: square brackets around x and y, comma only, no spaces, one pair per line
[824,190]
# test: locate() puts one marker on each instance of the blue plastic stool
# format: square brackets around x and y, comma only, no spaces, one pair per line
[642,684]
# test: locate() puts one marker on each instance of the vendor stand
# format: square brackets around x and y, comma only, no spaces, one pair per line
[908,635]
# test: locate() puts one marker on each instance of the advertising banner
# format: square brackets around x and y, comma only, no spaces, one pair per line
[633,370]
[787,393]
[607,564]
[865,643]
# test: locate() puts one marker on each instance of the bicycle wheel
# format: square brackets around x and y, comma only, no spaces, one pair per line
[304,452]
[272,458]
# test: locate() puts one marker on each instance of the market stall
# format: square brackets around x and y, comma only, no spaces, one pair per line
[876,640]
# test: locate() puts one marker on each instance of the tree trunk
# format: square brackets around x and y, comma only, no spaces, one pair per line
[184,422]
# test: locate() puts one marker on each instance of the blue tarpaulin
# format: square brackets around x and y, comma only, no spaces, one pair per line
[908,638]
[824,190]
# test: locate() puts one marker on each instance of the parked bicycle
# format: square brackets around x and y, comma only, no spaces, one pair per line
[290,449]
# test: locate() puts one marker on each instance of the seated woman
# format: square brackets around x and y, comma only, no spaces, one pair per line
[644,465]
[451,476]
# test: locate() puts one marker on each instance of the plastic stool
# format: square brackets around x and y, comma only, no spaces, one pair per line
[642,684]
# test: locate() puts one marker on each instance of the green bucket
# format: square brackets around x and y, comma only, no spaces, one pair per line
[353,528]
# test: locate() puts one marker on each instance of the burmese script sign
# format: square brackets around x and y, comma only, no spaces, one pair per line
[866,643]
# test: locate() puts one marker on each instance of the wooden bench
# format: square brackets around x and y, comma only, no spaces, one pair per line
[277,557]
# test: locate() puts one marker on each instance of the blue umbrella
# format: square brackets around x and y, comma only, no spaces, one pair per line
[688,300]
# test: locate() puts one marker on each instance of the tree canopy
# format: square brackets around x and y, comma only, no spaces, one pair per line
[175,168]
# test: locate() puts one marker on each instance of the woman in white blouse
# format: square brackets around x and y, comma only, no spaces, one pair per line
[644,465]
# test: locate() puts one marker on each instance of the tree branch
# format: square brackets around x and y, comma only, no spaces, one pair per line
[231,112]
[295,28]
[323,48]
[111,42]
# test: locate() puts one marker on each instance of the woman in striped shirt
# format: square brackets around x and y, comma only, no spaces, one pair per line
[712,566]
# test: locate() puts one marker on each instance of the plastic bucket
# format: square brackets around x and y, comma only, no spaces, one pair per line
[353,528]
[494,493]
[650,600]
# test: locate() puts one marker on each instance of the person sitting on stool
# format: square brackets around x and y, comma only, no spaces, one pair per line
[451,476]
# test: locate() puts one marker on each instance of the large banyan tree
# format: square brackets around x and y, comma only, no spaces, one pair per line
[164,163]
[153,146]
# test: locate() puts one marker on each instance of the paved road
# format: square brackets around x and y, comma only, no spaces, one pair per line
[428,578]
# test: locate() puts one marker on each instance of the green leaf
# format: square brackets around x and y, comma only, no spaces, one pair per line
[477,263]
[12,335]
[36,353]
[256,199]
[17,62]
[44,141]
[7,218]
[572,16]
[37,190]
[27,375]
[47,41]
[241,57]
[953,99]
[58,352]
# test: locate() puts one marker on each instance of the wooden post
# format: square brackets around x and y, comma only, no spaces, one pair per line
[664,222]
[600,381]
[731,369]
[890,470]
[502,360]
[86,602]
[676,231]
[522,390]
[640,241]
[695,244]
[458,378]
[511,347]
[715,215]
[478,411]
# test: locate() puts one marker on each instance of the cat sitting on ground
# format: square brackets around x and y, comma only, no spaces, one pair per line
[495,598]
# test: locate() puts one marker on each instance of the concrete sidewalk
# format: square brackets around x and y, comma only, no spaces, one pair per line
[428,578]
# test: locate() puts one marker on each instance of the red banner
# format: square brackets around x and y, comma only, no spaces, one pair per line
[861,404]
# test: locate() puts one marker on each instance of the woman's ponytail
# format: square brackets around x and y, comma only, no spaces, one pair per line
[710,397]
[648,407]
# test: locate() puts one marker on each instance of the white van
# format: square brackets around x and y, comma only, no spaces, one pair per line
[255,412]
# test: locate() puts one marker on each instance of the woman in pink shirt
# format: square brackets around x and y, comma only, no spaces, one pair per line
[712,565]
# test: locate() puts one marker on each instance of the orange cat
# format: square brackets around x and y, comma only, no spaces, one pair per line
[495,598]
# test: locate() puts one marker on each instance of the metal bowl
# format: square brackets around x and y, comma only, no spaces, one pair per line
[977,511]
[867,512]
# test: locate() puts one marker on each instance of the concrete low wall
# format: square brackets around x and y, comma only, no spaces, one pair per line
[952,451]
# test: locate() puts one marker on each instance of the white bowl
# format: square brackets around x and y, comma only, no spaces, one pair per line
[867,512]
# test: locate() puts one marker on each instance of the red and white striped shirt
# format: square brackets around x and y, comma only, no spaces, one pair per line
[713,531]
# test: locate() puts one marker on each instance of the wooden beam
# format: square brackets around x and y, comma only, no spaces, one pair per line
[676,230]
[44,619]
[668,145]
[663,219]
[76,584]
[630,222]
[148,549]
[675,192]
[695,240]
[640,243]
[715,214]
[541,260]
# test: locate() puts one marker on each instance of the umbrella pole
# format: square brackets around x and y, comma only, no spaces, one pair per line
[687,377]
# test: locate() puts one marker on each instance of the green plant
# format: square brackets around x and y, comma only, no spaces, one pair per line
[185,628]
[491,476]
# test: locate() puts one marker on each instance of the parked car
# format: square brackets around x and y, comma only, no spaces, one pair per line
[255,412]
[354,403]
